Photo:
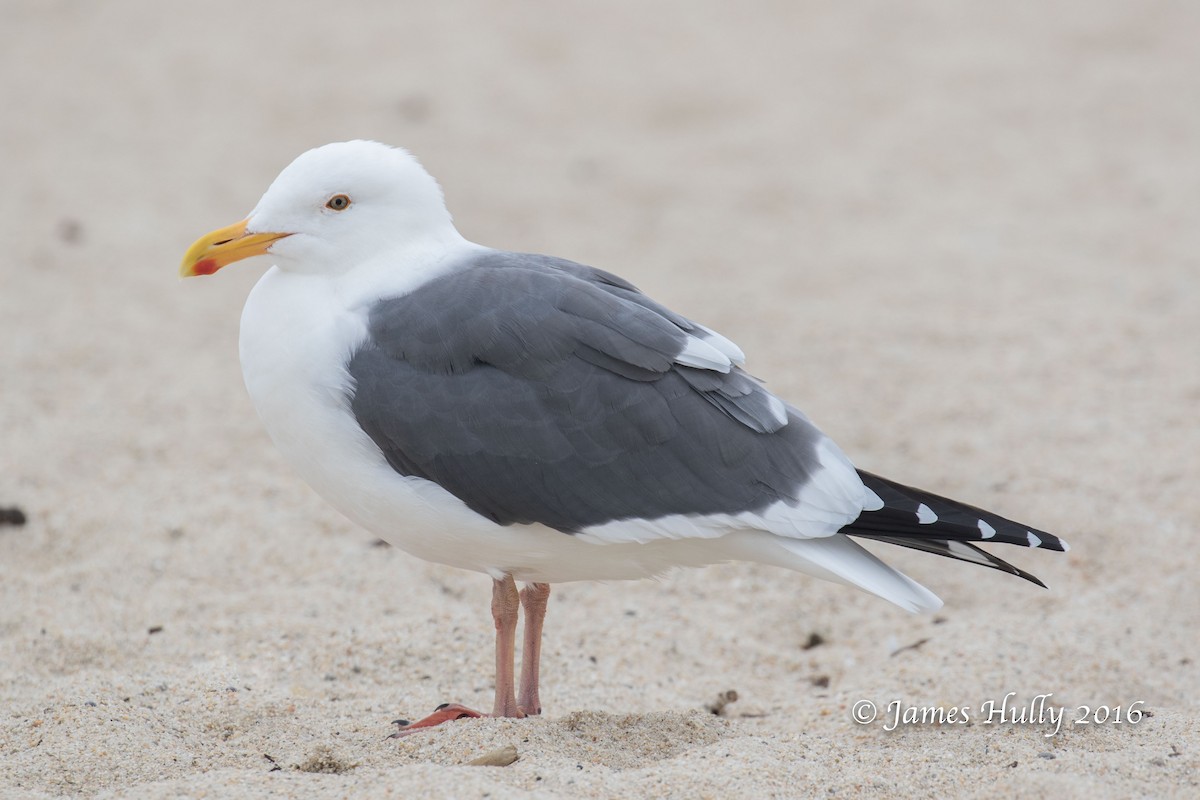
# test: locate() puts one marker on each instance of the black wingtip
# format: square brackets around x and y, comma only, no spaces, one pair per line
[909,512]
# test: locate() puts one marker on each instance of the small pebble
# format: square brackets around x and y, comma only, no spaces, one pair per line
[723,699]
[500,757]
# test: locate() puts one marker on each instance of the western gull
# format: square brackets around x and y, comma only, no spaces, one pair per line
[536,419]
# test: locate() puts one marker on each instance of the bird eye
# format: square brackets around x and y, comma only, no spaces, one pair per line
[339,202]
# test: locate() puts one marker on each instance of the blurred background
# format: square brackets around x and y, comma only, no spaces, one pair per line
[962,237]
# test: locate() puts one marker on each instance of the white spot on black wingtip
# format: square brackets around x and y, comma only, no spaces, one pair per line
[1034,541]
[985,530]
[925,515]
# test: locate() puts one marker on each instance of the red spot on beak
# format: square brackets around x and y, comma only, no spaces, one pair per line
[206,266]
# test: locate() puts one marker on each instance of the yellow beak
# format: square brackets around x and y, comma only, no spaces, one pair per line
[222,247]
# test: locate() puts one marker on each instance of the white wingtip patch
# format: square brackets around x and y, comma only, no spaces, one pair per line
[1065,546]
[986,530]
[1034,541]
[925,515]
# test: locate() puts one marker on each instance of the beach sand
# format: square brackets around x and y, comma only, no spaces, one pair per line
[962,237]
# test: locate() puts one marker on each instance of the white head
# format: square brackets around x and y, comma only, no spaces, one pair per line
[334,207]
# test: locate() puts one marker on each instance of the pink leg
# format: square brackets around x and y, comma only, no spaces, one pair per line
[506,606]
[533,599]
[443,713]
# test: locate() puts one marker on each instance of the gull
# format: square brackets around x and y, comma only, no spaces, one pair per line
[535,419]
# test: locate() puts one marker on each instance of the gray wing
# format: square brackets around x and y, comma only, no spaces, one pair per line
[539,390]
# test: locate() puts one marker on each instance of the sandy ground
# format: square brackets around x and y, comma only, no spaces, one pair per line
[963,237]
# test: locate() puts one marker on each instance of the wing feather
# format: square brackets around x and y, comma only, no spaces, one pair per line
[538,390]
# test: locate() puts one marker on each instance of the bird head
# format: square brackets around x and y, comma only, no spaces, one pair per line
[332,208]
